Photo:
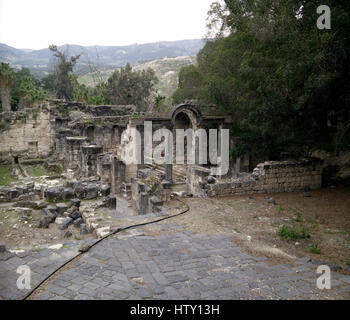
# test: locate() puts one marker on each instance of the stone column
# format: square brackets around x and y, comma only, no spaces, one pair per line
[118,175]
[73,152]
[169,172]
[141,165]
[88,163]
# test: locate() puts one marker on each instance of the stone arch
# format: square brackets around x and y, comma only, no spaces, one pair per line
[185,116]
[180,112]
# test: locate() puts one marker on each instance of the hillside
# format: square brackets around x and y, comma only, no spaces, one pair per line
[167,71]
[105,57]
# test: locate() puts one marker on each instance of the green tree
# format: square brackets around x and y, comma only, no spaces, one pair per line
[7,76]
[286,83]
[126,86]
[98,94]
[29,93]
[48,83]
[26,90]
[80,91]
[190,81]
[64,67]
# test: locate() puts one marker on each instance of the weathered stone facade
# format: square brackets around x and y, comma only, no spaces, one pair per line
[26,133]
[91,142]
[267,177]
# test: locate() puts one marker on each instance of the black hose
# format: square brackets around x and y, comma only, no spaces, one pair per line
[105,237]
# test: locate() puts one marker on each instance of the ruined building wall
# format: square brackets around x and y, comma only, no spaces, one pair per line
[267,177]
[27,133]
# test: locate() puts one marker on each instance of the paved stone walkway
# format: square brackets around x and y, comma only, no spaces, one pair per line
[41,263]
[178,265]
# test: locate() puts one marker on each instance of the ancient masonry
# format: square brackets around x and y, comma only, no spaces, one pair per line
[86,141]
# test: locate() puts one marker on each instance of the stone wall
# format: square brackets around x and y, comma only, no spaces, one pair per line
[267,177]
[149,192]
[26,133]
[25,192]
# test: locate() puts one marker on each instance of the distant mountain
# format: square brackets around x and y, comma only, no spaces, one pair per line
[106,57]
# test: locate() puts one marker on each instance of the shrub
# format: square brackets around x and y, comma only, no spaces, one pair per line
[297,217]
[315,249]
[293,234]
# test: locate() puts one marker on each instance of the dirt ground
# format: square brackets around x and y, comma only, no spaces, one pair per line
[254,223]
[19,233]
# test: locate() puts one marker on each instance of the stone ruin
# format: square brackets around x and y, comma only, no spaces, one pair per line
[86,142]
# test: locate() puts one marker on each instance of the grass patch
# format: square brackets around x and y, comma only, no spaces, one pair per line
[5,175]
[280,209]
[37,171]
[297,217]
[287,233]
[315,249]
[35,114]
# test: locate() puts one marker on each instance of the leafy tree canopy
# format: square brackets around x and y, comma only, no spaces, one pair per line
[285,82]
[64,67]
[126,86]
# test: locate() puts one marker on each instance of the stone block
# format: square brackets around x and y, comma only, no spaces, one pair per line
[45,221]
[75,215]
[111,202]
[143,203]
[54,193]
[105,190]
[78,222]
[51,209]
[68,194]
[61,208]
[60,220]
[155,201]
[83,229]
[66,223]
[80,192]
[166,185]
[13,194]
[75,202]
[91,191]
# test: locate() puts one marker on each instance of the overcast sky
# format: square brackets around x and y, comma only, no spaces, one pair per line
[35,24]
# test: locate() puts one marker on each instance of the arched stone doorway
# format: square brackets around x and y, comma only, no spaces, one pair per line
[183,116]
[184,113]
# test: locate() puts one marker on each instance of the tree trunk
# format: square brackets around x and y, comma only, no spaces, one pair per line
[5,99]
